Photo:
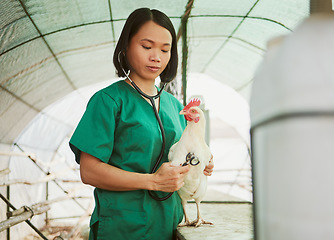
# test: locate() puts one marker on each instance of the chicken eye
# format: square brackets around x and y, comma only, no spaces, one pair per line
[193,111]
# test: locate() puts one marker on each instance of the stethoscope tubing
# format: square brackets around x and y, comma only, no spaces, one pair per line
[157,163]
[152,98]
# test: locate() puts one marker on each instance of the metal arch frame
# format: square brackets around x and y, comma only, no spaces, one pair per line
[181,32]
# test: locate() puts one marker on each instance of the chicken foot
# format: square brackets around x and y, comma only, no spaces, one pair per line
[197,222]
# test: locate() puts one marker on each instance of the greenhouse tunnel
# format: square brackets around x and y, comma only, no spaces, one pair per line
[55,54]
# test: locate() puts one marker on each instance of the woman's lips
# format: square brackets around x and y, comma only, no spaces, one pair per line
[153,68]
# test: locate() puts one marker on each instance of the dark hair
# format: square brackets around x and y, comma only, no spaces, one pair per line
[132,25]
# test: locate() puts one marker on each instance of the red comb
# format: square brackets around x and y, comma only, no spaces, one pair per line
[193,103]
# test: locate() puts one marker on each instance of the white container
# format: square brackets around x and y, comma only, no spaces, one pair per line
[292,118]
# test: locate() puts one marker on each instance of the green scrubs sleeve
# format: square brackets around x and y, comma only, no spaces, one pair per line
[95,131]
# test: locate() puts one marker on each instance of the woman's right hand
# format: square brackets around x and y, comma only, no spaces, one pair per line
[169,178]
[96,173]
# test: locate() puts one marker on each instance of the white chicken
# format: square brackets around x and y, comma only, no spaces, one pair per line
[192,143]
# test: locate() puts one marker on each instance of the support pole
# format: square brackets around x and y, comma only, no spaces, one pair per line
[320,6]
[27,221]
[184,23]
[184,60]
[8,209]
[22,214]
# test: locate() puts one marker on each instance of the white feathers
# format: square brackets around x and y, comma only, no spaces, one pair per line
[195,183]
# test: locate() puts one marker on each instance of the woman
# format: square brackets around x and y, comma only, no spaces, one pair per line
[118,139]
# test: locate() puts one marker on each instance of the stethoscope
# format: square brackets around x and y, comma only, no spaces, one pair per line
[190,158]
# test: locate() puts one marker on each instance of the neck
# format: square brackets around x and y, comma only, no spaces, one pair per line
[199,127]
[147,86]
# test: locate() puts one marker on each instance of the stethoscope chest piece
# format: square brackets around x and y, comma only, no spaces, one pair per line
[191,159]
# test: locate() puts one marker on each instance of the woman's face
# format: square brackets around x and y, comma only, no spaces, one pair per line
[149,51]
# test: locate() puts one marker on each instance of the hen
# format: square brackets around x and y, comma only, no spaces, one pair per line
[192,146]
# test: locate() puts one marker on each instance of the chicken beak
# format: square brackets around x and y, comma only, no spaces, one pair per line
[183,112]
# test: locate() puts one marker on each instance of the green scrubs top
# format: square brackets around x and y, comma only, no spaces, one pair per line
[119,128]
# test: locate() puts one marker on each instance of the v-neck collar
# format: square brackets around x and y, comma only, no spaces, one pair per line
[142,97]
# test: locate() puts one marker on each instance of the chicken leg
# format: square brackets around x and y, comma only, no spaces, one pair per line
[199,220]
[186,219]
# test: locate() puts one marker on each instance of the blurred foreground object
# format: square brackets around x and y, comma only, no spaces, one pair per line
[292,115]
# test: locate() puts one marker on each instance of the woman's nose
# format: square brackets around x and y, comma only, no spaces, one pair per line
[155,56]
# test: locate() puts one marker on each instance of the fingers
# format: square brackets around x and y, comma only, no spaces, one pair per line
[182,173]
[207,173]
[178,169]
[170,178]
[209,168]
[183,169]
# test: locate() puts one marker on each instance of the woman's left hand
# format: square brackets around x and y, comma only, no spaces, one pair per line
[209,168]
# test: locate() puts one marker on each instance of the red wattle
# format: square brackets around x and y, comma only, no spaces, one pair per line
[187,118]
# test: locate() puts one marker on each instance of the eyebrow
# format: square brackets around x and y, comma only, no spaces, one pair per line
[151,41]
